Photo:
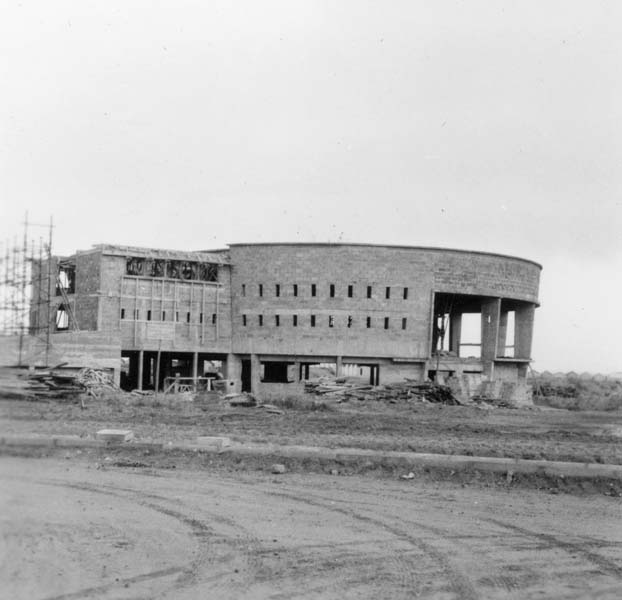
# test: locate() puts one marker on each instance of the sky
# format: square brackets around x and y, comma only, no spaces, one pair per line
[493,126]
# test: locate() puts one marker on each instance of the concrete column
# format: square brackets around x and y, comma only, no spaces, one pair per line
[195,364]
[490,333]
[141,365]
[233,370]
[255,373]
[455,332]
[503,332]
[297,371]
[523,330]
[338,366]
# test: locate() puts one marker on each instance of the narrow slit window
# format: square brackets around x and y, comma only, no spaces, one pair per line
[331,321]
[387,293]
[277,290]
[349,321]
[313,289]
[312,320]
[350,291]
[188,317]
[277,320]
[177,316]
[405,293]
[243,289]
[213,318]
[295,320]
[164,315]
[295,289]
[368,322]
[332,290]
[123,313]
[200,317]
[148,315]
[369,291]
[260,320]
[386,322]
[244,320]
[261,289]
[404,323]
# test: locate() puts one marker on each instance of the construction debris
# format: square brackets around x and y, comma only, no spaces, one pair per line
[342,391]
[53,384]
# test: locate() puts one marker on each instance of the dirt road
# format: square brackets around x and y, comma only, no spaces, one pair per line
[72,531]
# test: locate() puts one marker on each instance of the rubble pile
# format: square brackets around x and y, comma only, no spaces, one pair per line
[342,391]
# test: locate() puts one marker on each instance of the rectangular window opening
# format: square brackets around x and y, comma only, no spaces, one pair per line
[349,321]
[332,290]
[244,320]
[200,317]
[387,293]
[187,317]
[331,321]
[350,291]
[277,320]
[123,313]
[312,320]
[369,291]
[62,318]
[164,315]
[148,315]
[243,289]
[386,322]
[261,289]
[177,316]
[405,293]
[213,318]
[313,289]
[404,323]
[368,322]
[295,289]
[295,320]
[260,320]
[277,290]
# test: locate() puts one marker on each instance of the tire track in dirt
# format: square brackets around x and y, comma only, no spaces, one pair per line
[460,584]
[247,548]
[552,541]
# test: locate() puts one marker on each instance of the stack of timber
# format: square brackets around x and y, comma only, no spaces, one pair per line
[342,391]
[52,384]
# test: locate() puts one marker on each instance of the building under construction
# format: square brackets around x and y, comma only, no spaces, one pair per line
[261,315]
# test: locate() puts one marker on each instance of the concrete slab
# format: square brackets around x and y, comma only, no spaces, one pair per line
[210,441]
[115,435]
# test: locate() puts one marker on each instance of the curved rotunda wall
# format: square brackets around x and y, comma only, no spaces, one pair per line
[263,315]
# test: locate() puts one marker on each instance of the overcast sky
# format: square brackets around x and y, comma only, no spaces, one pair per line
[492,126]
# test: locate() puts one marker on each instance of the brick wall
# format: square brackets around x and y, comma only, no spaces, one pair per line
[422,271]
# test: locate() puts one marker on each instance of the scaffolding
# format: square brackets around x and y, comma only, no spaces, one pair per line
[27,284]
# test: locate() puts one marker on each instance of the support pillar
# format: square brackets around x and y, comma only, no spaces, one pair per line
[255,374]
[195,364]
[297,371]
[523,330]
[141,365]
[233,373]
[338,366]
[455,332]
[503,332]
[490,334]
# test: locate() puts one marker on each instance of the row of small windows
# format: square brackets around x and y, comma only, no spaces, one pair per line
[331,290]
[313,320]
[171,316]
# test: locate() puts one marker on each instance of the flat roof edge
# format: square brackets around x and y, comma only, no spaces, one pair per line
[395,246]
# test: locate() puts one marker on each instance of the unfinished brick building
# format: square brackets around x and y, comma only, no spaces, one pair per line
[267,312]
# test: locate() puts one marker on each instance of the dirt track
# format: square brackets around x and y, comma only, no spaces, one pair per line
[72,531]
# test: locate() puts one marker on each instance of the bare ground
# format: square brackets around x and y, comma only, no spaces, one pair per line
[551,434]
[72,531]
